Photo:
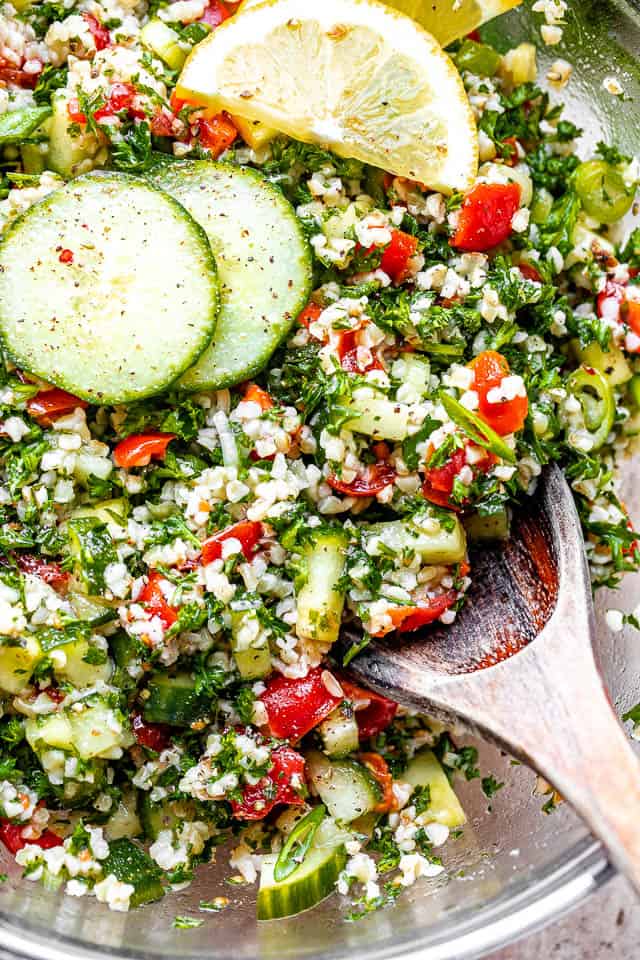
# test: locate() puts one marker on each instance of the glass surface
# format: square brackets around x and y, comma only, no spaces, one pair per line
[515,868]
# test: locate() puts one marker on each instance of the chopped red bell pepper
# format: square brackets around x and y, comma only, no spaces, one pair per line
[48,405]
[155,601]
[438,481]
[396,256]
[310,313]
[378,713]
[611,299]
[139,449]
[248,532]
[154,736]
[215,14]
[529,272]
[485,216]
[99,32]
[10,73]
[408,619]
[11,837]
[371,481]
[296,705]
[507,416]
[52,573]
[347,348]
[254,394]
[276,787]
[217,133]
[631,315]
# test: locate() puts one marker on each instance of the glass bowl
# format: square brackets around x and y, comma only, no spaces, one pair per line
[515,868]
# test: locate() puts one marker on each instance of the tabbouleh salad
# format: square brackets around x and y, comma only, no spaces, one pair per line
[175,568]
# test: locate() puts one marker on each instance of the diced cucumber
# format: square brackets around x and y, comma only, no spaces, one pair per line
[90,465]
[339,732]
[379,417]
[123,820]
[130,864]
[314,879]
[17,663]
[494,527]
[414,372]
[92,550]
[263,262]
[250,645]
[34,157]
[96,731]
[107,511]
[415,535]
[319,602]
[612,362]
[584,241]
[174,700]
[347,788]
[158,37]
[80,667]
[165,815]
[425,770]
[132,249]
[71,149]
[128,654]
[92,610]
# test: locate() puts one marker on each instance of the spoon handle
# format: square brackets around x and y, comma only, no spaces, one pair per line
[555,715]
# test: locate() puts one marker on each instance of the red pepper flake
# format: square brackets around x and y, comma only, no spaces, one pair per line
[66,256]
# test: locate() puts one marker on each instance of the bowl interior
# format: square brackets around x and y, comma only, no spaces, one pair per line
[515,867]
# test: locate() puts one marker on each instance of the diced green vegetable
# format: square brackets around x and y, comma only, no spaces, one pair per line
[495,526]
[17,125]
[347,788]
[158,37]
[612,362]
[442,544]
[339,732]
[602,191]
[130,864]
[18,660]
[320,602]
[379,418]
[425,770]
[478,58]
[174,700]
[250,645]
[476,429]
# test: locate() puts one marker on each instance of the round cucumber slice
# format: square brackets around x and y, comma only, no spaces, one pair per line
[108,288]
[263,259]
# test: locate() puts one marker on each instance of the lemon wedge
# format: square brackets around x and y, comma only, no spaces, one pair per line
[447,20]
[351,75]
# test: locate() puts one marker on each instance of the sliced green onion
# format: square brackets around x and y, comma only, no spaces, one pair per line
[593,391]
[602,191]
[298,842]
[476,429]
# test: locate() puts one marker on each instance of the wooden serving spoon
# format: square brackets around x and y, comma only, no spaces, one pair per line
[517,666]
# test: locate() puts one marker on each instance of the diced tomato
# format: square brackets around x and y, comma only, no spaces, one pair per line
[254,394]
[248,532]
[377,765]
[438,481]
[215,14]
[140,448]
[377,713]
[161,124]
[217,133]
[347,348]
[51,573]
[48,405]
[74,112]
[11,837]
[611,299]
[529,272]
[485,216]
[99,32]
[10,73]
[310,313]
[512,159]
[408,619]
[154,736]
[276,787]
[121,97]
[296,705]
[371,481]
[396,256]
[155,602]
[631,315]
[506,416]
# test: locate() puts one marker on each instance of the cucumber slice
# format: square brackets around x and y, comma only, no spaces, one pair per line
[85,325]
[158,37]
[410,536]
[346,787]
[339,732]
[319,603]
[425,770]
[379,417]
[128,863]
[263,261]
[314,879]
[174,700]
